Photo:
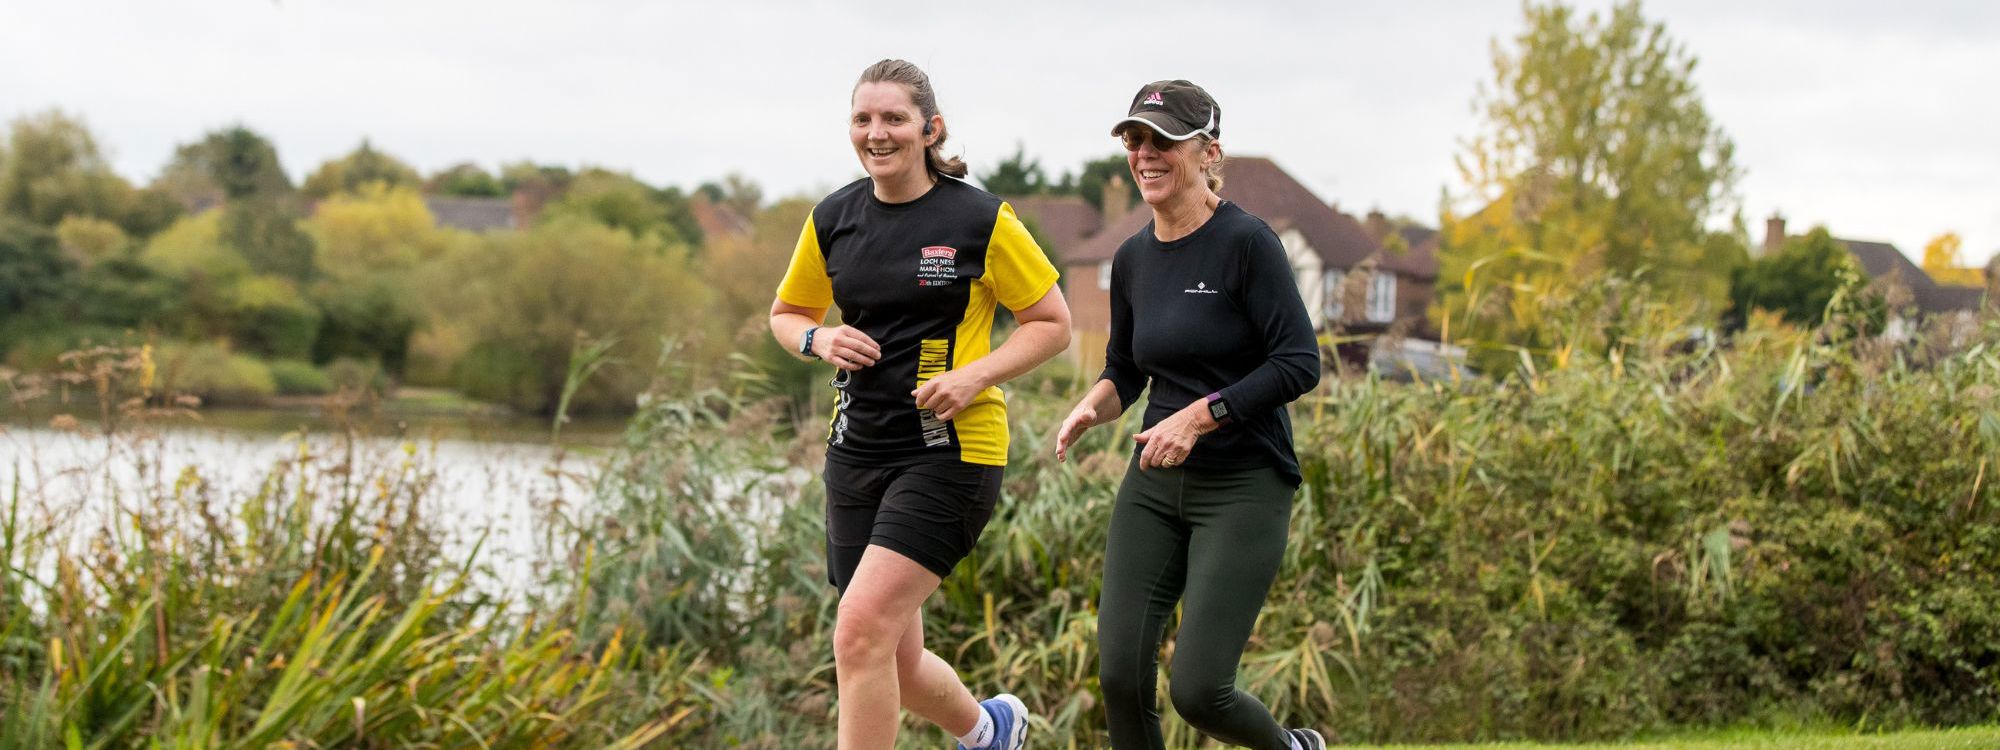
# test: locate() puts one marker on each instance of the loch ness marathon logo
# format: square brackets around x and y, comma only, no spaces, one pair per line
[937,265]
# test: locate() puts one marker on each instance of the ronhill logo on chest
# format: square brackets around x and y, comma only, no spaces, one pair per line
[1200,287]
[937,265]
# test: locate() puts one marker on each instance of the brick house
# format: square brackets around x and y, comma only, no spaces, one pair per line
[1884,262]
[1357,278]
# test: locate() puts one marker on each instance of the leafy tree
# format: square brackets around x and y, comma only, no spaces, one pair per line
[268,317]
[548,178]
[744,271]
[377,229]
[369,318]
[1596,157]
[1944,264]
[362,166]
[122,291]
[1796,282]
[369,243]
[521,303]
[234,163]
[268,237]
[741,194]
[259,219]
[468,180]
[619,200]
[86,240]
[152,210]
[32,270]
[204,267]
[193,248]
[1017,175]
[54,170]
[680,211]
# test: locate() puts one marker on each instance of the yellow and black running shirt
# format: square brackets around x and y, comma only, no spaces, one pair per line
[921,279]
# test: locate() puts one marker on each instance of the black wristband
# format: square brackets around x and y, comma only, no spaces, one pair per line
[806,343]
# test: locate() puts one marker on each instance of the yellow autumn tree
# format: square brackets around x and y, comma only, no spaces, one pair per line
[1942,262]
[1595,160]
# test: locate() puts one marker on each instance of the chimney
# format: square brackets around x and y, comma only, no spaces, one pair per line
[1377,225]
[527,201]
[1116,200]
[1993,283]
[1774,234]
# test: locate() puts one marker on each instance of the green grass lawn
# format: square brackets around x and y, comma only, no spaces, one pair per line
[1975,738]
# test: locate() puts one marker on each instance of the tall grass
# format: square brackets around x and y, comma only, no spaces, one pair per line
[315,610]
[1632,536]
[1626,536]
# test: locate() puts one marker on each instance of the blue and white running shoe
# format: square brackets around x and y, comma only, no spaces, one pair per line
[1010,722]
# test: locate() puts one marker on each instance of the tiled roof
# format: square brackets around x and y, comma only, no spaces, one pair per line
[1265,190]
[1883,259]
[471,214]
[717,220]
[1065,221]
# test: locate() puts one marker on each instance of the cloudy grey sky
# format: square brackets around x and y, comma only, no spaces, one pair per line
[1877,119]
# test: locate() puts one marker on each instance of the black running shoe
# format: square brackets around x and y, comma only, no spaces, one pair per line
[1306,739]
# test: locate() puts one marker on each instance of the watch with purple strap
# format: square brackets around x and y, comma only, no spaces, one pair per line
[1218,409]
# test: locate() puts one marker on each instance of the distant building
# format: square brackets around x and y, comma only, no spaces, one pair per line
[1361,279]
[717,220]
[473,214]
[1883,261]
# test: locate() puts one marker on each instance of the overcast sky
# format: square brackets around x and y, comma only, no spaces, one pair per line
[1877,119]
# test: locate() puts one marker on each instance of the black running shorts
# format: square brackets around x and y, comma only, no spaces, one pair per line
[930,512]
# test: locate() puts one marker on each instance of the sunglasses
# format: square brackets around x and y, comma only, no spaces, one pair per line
[1135,137]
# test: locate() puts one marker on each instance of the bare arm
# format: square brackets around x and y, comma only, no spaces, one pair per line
[1098,406]
[1044,333]
[842,346]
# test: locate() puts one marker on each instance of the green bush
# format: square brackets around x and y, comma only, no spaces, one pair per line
[271,319]
[35,343]
[499,372]
[298,378]
[212,372]
[357,375]
[1644,537]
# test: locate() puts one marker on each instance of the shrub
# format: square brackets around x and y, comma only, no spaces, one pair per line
[357,375]
[1789,528]
[298,378]
[214,373]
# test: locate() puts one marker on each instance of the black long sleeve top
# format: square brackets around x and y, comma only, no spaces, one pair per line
[1215,311]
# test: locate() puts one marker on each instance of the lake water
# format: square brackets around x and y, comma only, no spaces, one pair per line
[493,478]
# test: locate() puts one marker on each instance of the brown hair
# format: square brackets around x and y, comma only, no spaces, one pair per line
[913,78]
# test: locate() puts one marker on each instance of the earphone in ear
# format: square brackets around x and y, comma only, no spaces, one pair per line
[927,127]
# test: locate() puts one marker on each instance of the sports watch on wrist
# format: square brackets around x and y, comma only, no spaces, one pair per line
[1218,409]
[806,343]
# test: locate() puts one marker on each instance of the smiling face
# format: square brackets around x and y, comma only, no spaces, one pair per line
[1165,169]
[888,133]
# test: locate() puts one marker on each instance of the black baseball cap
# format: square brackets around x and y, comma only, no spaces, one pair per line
[1176,109]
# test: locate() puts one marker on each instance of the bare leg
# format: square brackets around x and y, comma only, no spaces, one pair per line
[880,605]
[931,688]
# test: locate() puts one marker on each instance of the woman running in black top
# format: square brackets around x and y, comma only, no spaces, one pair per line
[1205,308]
[916,260]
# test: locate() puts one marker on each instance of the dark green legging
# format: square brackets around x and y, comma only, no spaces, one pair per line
[1213,539]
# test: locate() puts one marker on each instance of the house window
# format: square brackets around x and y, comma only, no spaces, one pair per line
[1382,297]
[1334,278]
[1104,275]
